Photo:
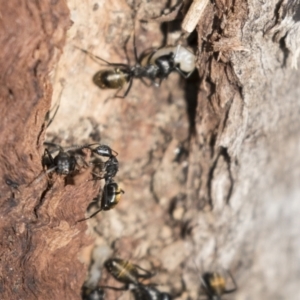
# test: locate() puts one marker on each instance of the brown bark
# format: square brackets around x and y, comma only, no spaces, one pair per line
[210,166]
[37,224]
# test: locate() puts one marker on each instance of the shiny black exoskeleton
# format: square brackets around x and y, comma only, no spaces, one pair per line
[155,66]
[110,196]
[126,272]
[214,284]
[92,294]
[148,292]
[64,163]
[111,166]
[131,274]
[102,150]
[108,199]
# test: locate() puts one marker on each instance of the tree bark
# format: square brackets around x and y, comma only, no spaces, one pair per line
[209,166]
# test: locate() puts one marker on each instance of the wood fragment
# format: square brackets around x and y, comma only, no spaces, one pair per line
[194,15]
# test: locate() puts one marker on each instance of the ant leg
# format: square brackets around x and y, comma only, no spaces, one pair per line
[157,84]
[124,288]
[120,192]
[128,89]
[92,215]
[114,96]
[125,49]
[184,75]
[204,286]
[89,145]
[147,274]
[115,153]
[82,160]
[145,82]
[42,174]
[75,147]
[58,105]
[49,155]
[48,114]
[134,46]
[234,283]
[97,177]
[53,145]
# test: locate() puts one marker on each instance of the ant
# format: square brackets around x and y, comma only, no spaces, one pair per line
[128,273]
[102,150]
[111,193]
[92,294]
[161,62]
[214,284]
[147,292]
[64,163]
[111,166]
[157,65]
[108,199]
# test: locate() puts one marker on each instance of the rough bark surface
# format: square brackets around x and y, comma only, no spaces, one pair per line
[210,166]
[39,243]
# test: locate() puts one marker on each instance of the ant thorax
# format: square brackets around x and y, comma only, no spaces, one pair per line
[147,71]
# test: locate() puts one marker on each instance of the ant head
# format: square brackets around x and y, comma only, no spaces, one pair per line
[64,163]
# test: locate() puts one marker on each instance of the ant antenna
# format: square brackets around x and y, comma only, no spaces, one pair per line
[96,57]
[56,110]
[134,46]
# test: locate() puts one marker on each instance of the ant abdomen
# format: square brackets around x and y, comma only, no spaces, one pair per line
[114,78]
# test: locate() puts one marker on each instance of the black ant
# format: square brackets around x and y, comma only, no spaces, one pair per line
[148,292]
[129,274]
[157,65]
[102,150]
[92,294]
[214,284]
[108,199]
[64,163]
[111,194]
[111,166]
[126,272]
